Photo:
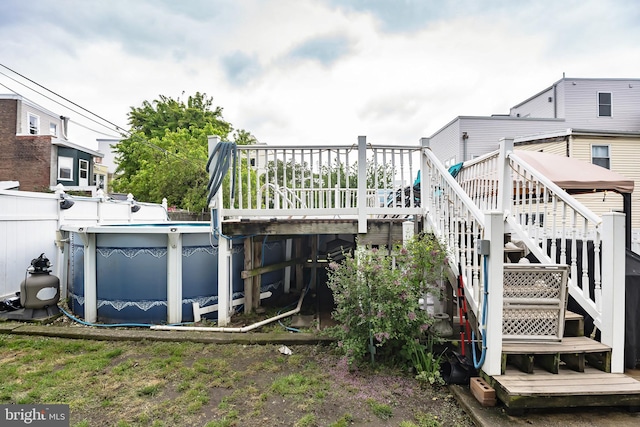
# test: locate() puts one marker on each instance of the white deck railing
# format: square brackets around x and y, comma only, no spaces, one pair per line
[556,228]
[360,180]
[459,223]
[493,195]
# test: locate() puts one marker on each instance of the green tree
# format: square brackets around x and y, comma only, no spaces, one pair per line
[166,152]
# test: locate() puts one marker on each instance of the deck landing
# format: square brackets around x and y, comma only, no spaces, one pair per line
[568,388]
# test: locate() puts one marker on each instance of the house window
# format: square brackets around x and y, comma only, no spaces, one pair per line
[53,129]
[600,156]
[83,169]
[98,181]
[65,168]
[604,104]
[34,124]
[450,162]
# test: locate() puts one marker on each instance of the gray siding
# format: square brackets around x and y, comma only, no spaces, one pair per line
[447,142]
[538,106]
[574,103]
[485,133]
[581,104]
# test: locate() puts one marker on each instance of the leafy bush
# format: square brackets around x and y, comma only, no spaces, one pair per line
[377,300]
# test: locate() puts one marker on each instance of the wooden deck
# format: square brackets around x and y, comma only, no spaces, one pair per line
[574,372]
[571,352]
[568,388]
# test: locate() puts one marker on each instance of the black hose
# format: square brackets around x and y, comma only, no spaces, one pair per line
[221,156]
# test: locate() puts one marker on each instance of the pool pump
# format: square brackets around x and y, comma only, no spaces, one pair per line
[39,294]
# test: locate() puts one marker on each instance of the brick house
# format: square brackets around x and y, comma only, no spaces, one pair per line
[35,151]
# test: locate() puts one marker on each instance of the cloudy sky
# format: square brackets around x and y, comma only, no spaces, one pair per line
[312,71]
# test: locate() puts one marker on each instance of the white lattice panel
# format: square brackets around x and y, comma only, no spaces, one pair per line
[534,301]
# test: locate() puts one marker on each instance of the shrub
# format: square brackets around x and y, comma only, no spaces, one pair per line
[377,299]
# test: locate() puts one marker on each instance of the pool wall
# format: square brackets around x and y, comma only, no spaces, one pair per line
[150,273]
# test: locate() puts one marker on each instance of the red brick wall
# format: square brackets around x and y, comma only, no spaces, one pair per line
[22,158]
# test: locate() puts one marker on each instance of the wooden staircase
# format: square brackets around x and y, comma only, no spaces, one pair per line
[573,372]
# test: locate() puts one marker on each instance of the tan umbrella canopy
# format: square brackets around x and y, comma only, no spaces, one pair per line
[574,175]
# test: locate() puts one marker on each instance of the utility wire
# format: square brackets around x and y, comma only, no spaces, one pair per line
[94,130]
[129,134]
[50,99]
[60,96]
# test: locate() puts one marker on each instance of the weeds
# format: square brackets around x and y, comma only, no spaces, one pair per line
[380,410]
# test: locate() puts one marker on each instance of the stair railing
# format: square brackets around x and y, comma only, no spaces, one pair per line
[556,229]
[457,221]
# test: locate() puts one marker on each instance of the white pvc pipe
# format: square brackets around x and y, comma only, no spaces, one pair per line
[227,329]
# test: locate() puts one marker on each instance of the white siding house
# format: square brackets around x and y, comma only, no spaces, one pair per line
[591,104]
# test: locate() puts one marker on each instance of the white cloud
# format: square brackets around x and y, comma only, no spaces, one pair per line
[316,71]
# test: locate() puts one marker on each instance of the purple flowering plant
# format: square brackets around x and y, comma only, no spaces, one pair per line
[376,294]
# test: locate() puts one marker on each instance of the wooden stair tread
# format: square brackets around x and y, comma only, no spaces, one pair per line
[565,389]
[567,383]
[567,345]
[570,315]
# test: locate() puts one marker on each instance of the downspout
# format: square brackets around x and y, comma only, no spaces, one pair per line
[465,136]
[555,102]
[626,207]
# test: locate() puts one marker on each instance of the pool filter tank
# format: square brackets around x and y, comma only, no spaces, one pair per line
[40,289]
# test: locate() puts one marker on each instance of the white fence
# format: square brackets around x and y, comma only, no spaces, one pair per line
[29,223]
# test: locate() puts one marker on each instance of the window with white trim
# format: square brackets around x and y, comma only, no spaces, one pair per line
[450,162]
[53,129]
[600,156]
[83,169]
[34,124]
[65,168]
[604,104]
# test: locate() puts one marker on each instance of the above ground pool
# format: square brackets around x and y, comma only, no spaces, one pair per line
[151,273]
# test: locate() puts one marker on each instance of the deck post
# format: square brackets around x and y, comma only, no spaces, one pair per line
[224,250]
[287,270]
[613,287]
[424,183]
[174,276]
[248,282]
[258,244]
[504,175]
[494,232]
[362,184]
[90,280]
[299,267]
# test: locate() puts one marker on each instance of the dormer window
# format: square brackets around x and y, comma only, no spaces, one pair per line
[34,124]
[604,104]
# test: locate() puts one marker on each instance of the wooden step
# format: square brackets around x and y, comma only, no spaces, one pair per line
[568,388]
[573,324]
[572,352]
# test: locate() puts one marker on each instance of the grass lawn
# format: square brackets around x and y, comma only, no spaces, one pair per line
[124,383]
